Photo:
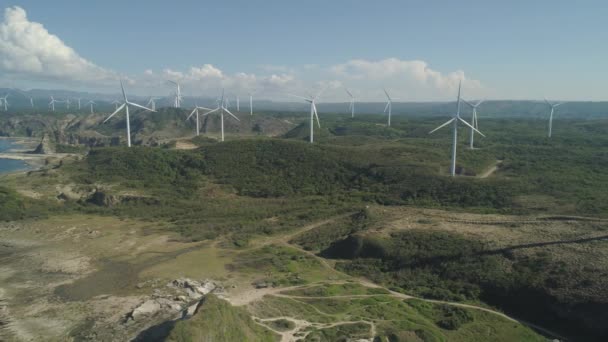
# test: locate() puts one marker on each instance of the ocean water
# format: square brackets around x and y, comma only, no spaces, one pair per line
[10,165]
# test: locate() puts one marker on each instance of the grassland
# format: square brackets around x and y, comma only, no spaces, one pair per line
[309,221]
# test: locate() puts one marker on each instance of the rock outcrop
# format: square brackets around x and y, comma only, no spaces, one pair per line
[45,146]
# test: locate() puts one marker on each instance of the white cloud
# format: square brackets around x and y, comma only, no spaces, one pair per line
[390,68]
[27,48]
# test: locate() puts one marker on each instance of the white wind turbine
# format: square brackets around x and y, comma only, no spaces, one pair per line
[389,106]
[351,104]
[313,112]
[178,94]
[474,122]
[5,102]
[91,103]
[195,110]
[78,99]
[126,105]
[221,108]
[454,121]
[67,103]
[52,103]
[553,106]
[152,102]
[238,104]
[251,102]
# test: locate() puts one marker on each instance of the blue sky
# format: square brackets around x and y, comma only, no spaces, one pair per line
[503,49]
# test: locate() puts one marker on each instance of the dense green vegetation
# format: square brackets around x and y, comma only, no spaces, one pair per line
[448,266]
[216,320]
[15,207]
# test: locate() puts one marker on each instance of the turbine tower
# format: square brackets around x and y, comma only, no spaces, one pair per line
[67,103]
[126,105]
[251,102]
[313,113]
[351,104]
[238,104]
[178,94]
[91,103]
[195,110]
[553,106]
[454,121]
[221,108]
[389,106]
[473,121]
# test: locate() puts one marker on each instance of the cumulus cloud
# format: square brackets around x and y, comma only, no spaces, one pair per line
[26,47]
[417,70]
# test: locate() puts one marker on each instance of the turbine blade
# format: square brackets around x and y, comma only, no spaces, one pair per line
[385,108]
[558,104]
[140,106]
[480,102]
[234,116]
[348,92]
[301,97]
[467,102]
[213,111]
[314,107]
[123,91]
[193,111]
[117,110]
[445,124]
[205,108]
[475,129]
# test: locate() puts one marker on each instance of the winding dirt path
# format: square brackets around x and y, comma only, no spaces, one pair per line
[286,336]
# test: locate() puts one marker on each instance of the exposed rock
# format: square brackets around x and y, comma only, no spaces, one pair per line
[146,309]
[45,146]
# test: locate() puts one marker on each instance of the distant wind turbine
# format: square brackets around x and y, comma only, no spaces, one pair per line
[221,108]
[195,110]
[238,104]
[313,112]
[52,103]
[78,99]
[454,120]
[115,103]
[91,103]
[67,103]
[351,104]
[474,122]
[178,94]
[152,102]
[389,106]
[553,106]
[126,105]
[5,102]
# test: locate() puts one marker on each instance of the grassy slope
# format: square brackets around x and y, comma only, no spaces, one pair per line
[217,320]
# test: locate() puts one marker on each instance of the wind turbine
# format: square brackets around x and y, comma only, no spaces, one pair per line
[67,103]
[221,107]
[126,105]
[389,106]
[178,94]
[454,121]
[52,103]
[313,112]
[115,103]
[196,108]
[5,102]
[553,106]
[473,121]
[91,103]
[351,105]
[152,102]
[251,102]
[78,99]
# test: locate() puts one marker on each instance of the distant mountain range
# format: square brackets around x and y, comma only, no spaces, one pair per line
[19,100]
